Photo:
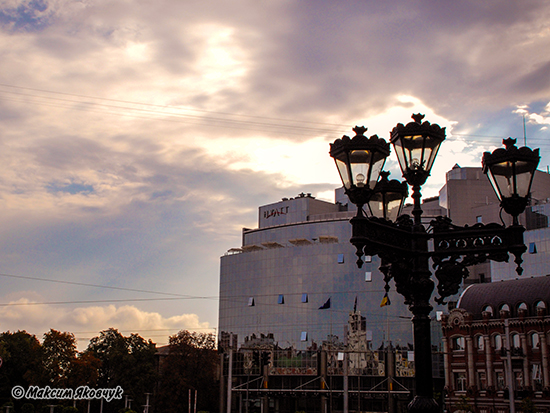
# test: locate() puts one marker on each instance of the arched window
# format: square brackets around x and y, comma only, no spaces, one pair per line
[515,341]
[488,309]
[505,307]
[480,343]
[535,340]
[522,306]
[458,343]
[497,341]
[540,307]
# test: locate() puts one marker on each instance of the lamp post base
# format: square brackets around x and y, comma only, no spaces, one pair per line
[421,404]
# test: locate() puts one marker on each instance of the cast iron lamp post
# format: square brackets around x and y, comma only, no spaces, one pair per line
[405,246]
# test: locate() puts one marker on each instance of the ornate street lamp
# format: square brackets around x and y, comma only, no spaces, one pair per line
[359,161]
[403,244]
[388,198]
[511,173]
[416,145]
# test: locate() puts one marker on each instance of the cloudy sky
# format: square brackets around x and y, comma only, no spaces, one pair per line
[137,138]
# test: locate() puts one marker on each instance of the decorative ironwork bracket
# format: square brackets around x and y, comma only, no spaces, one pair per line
[453,249]
[457,247]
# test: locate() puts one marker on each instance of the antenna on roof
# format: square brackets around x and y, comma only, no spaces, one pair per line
[524,132]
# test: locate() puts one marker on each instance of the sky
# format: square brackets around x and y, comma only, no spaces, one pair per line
[138,138]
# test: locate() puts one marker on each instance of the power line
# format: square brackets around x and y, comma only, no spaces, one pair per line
[287,126]
[258,121]
[98,286]
[170,106]
[96,301]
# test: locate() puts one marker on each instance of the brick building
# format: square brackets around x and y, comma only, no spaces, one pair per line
[496,340]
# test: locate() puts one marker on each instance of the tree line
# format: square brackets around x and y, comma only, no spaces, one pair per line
[189,362]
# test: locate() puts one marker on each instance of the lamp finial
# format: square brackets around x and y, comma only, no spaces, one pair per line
[417,117]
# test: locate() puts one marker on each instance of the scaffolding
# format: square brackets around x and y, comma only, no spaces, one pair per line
[327,380]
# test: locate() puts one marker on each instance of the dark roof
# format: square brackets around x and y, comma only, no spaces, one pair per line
[513,292]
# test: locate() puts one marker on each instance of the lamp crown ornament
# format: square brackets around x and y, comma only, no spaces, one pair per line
[417,117]
[360,130]
[509,143]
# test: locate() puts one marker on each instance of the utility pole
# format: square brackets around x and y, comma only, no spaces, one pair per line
[230,373]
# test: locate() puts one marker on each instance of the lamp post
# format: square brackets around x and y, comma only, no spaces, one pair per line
[403,244]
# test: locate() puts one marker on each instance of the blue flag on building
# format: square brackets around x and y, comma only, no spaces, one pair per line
[325,305]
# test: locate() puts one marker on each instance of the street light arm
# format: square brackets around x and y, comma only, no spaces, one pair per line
[457,247]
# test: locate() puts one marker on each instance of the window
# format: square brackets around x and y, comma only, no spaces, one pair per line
[303,336]
[522,306]
[532,248]
[516,341]
[535,341]
[458,343]
[460,381]
[479,218]
[488,309]
[304,298]
[481,380]
[537,376]
[480,343]
[251,301]
[281,299]
[368,276]
[498,342]
[540,304]
[340,258]
[518,376]
[501,382]
[505,307]
[368,258]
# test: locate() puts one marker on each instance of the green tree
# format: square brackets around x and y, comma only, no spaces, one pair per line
[84,370]
[111,349]
[128,362]
[192,363]
[59,355]
[21,354]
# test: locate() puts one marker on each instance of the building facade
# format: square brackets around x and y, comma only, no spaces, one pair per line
[496,348]
[290,303]
[298,260]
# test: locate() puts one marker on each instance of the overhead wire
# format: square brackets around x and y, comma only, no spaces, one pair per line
[211,118]
[169,106]
[174,296]
[178,114]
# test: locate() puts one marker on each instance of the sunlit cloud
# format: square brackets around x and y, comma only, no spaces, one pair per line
[86,322]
